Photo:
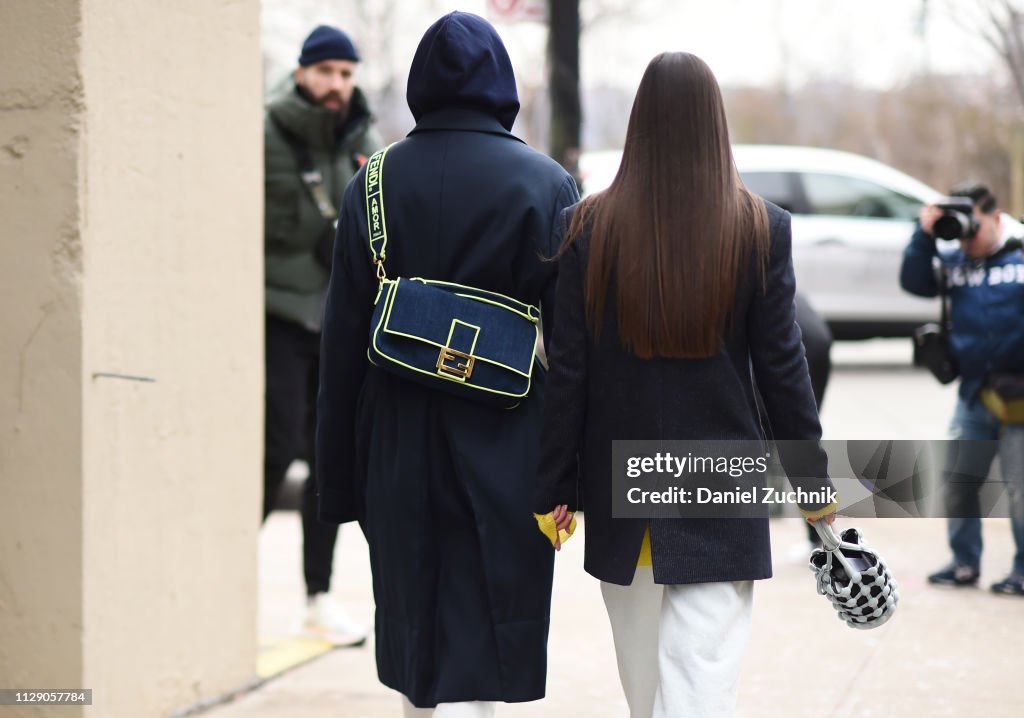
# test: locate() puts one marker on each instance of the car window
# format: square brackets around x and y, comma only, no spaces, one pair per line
[776,187]
[854,197]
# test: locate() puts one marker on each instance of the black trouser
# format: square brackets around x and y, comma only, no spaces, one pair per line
[818,346]
[293,366]
[817,340]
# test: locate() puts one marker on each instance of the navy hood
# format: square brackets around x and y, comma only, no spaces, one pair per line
[461,62]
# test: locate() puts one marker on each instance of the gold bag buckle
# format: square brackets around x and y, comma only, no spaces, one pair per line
[461,370]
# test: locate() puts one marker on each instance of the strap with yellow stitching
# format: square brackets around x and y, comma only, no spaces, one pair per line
[375,218]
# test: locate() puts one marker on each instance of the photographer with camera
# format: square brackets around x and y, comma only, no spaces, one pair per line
[981,280]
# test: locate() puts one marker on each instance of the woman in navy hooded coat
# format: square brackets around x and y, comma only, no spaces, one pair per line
[441,486]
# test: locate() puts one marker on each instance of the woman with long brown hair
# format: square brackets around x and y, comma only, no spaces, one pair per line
[674,307]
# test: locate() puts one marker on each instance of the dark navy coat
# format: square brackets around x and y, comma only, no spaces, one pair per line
[442,487]
[598,393]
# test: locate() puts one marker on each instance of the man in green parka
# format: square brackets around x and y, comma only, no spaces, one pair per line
[316,138]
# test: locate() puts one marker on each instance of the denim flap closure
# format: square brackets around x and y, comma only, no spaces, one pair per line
[485,325]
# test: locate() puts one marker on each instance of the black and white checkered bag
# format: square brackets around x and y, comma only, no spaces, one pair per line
[853,577]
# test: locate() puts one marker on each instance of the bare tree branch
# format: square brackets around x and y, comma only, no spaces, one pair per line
[1000,25]
[1006,23]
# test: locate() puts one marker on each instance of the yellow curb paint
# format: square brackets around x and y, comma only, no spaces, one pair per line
[277,656]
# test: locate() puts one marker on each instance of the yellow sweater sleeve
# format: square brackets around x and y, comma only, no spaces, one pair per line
[546,524]
[823,511]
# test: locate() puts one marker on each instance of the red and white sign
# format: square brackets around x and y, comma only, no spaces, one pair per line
[517,10]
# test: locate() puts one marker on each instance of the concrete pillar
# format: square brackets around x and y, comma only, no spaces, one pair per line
[131,315]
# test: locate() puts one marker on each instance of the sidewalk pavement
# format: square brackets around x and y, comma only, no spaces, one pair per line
[946,652]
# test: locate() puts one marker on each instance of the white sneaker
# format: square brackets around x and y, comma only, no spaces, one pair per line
[327,621]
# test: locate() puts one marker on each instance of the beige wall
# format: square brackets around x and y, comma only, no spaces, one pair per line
[131,133]
[41,608]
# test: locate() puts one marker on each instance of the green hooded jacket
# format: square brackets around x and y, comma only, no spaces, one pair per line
[296,280]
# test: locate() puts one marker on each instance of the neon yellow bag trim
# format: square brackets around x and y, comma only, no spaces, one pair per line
[386,316]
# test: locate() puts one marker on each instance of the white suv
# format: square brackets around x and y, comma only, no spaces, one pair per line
[852,218]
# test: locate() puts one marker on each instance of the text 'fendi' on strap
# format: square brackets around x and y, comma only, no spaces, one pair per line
[375,221]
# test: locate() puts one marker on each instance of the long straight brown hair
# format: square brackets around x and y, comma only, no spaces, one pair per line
[676,228]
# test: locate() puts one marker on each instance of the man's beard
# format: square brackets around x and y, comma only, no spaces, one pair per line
[340,115]
[341,112]
[331,95]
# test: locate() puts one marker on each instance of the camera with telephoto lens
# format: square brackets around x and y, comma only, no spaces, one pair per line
[957,220]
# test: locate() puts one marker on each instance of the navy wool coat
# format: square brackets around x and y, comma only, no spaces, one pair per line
[598,392]
[442,487]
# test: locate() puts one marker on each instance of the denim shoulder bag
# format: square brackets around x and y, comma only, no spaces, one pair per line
[472,343]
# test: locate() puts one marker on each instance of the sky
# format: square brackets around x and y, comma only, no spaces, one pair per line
[875,43]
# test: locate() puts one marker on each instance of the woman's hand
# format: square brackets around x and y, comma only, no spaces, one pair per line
[563,519]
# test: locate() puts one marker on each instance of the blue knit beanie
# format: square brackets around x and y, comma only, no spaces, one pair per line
[327,43]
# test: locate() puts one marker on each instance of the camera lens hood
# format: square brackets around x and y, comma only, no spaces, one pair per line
[957,220]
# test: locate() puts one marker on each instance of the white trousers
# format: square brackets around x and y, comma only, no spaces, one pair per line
[679,647]
[469,709]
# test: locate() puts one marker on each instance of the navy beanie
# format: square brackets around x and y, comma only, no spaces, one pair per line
[327,43]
